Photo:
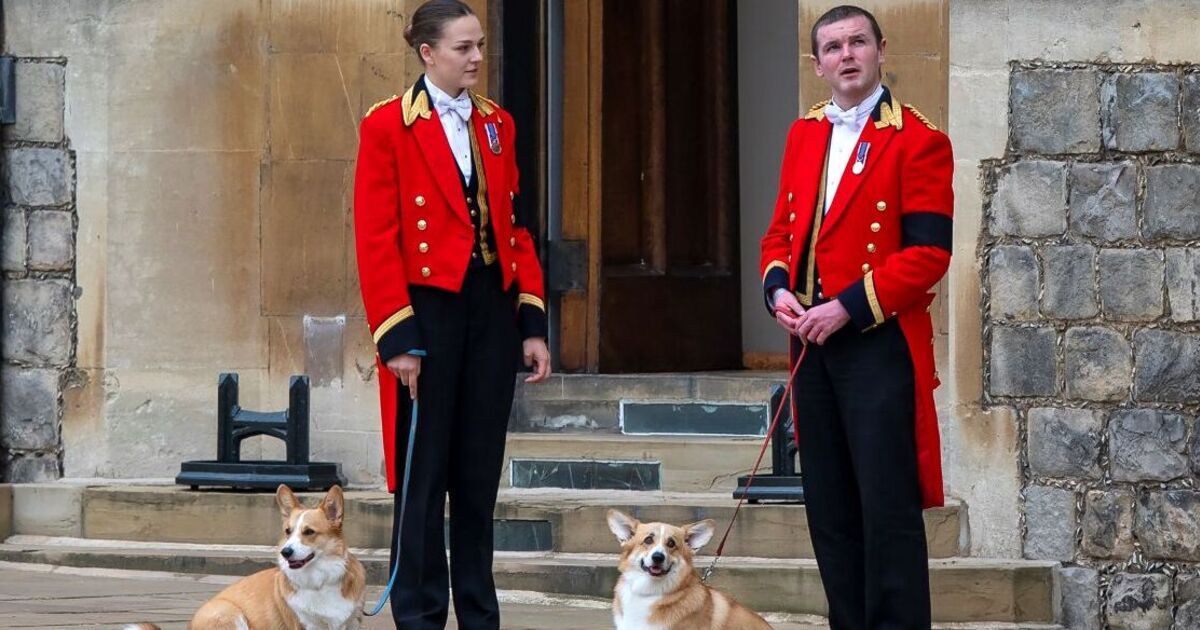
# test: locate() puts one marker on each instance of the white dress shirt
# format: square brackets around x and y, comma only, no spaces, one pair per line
[450,111]
[847,126]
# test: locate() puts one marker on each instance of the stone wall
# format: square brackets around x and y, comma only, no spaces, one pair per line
[201,155]
[38,262]
[1091,298]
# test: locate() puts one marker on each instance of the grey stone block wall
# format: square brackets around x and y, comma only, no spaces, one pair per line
[39,290]
[1097,345]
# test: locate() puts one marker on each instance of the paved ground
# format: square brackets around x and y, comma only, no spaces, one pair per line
[42,596]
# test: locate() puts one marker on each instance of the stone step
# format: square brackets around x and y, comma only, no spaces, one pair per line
[526,520]
[963,590]
[592,402]
[627,462]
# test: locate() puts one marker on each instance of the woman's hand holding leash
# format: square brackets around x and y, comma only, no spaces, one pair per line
[407,368]
[537,356]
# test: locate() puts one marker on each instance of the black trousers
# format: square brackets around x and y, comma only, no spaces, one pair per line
[855,409]
[465,393]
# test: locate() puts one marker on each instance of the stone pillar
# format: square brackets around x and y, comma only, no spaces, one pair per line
[38,263]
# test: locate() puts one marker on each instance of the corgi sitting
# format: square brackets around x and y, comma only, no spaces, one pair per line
[317,585]
[659,588]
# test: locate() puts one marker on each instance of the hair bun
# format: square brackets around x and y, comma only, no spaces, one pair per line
[408,34]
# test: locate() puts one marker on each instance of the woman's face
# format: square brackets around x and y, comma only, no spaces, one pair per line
[454,62]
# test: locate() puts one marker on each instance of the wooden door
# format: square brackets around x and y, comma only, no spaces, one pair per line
[653,183]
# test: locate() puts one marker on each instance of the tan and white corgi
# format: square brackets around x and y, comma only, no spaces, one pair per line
[659,588]
[318,584]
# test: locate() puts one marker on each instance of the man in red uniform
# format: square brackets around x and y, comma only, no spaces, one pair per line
[860,235]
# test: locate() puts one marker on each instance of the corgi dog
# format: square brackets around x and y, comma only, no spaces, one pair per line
[318,583]
[659,588]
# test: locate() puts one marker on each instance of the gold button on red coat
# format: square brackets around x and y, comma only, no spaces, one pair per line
[514,266]
[421,225]
[420,200]
[512,218]
[871,247]
[875,227]
[512,241]
[791,196]
[511,195]
[425,271]
[866,267]
[423,247]
[881,206]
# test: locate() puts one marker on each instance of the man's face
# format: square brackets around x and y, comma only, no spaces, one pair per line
[849,59]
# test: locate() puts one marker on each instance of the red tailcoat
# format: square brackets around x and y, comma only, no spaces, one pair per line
[412,225]
[881,247]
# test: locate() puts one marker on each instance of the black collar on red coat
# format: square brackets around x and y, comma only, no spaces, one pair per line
[887,112]
[417,103]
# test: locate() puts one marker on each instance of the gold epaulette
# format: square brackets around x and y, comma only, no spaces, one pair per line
[817,112]
[484,104]
[376,106]
[921,117]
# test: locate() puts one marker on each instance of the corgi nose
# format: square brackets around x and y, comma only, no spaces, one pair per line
[657,557]
[286,552]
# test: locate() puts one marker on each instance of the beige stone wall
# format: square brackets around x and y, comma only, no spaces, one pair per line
[982,445]
[214,146]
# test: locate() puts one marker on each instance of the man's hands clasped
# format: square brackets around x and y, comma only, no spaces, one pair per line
[814,324]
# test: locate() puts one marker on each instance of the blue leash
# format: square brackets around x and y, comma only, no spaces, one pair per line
[412,438]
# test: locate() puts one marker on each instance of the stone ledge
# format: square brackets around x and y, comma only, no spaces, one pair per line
[964,590]
[47,509]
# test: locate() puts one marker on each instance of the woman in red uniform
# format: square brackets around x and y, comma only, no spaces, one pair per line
[453,290]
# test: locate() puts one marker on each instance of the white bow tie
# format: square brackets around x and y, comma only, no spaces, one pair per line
[460,106]
[839,116]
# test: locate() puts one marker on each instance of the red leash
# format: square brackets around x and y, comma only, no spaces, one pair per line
[787,390]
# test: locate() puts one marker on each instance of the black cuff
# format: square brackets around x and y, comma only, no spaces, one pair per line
[776,278]
[531,321]
[856,301]
[399,339]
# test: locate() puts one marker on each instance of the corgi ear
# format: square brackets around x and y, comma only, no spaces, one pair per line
[622,525]
[286,500]
[334,505]
[698,534]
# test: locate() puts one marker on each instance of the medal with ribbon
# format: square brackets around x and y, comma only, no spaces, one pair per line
[493,136]
[860,159]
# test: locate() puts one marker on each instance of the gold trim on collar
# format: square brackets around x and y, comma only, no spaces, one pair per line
[376,106]
[532,300]
[817,112]
[485,105]
[415,108]
[872,298]
[392,322]
[775,263]
[890,115]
